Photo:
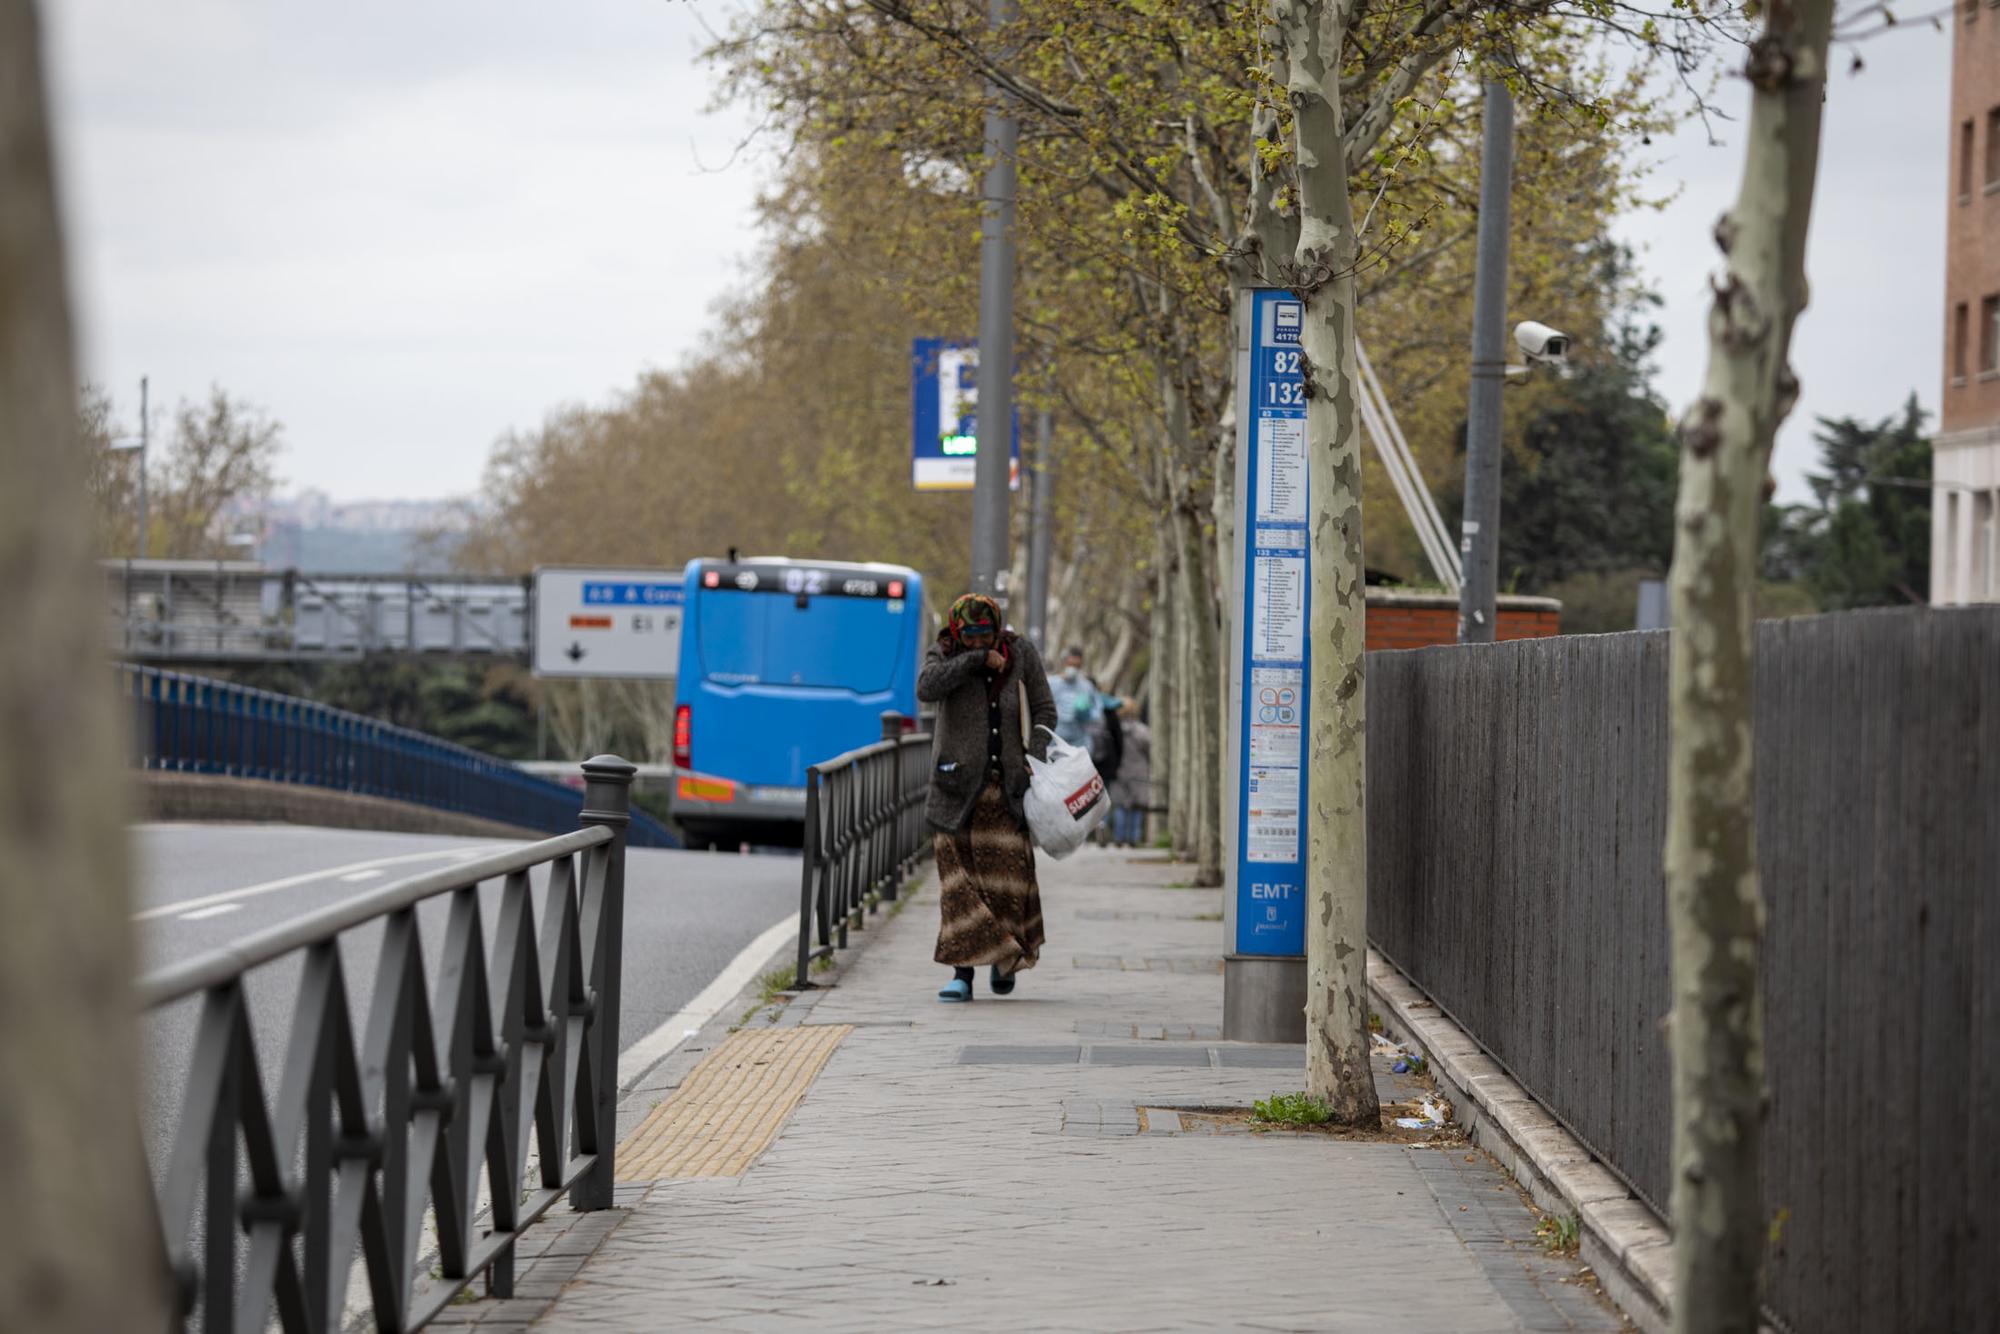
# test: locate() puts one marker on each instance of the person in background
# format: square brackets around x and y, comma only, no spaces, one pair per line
[1132,790]
[993,701]
[1107,753]
[1079,708]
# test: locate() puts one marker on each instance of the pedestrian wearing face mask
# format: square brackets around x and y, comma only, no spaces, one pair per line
[1079,708]
[993,704]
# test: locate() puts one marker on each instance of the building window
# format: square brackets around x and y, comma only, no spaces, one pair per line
[1981,574]
[1961,315]
[1993,148]
[1989,334]
[1965,161]
[1948,590]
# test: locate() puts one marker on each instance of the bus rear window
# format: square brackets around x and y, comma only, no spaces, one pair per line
[837,643]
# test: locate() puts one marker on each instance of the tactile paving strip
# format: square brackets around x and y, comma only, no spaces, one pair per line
[730,1107]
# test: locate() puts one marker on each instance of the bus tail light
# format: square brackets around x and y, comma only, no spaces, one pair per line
[683,737]
[909,724]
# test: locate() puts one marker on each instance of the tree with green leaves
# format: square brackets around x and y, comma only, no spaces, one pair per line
[1587,484]
[217,464]
[1169,152]
[1865,541]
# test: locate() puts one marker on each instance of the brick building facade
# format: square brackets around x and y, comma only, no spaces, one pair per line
[1397,619]
[1965,493]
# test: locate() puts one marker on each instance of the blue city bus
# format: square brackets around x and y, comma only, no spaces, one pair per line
[784,664]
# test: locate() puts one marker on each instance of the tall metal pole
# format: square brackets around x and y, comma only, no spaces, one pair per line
[990,478]
[145,437]
[1479,535]
[1038,536]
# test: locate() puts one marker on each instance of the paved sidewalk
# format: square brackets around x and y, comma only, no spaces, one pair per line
[987,1166]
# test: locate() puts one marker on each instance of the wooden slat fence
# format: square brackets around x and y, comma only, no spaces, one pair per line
[1516,821]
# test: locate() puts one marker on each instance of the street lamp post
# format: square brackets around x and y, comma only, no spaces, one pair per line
[1479,532]
[993,463]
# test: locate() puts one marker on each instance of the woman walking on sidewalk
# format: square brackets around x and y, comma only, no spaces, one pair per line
[992,696]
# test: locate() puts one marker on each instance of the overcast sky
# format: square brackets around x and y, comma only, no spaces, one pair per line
[1874,330]
[404,228]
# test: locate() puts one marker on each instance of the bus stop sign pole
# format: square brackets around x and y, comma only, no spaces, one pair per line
[1270,675]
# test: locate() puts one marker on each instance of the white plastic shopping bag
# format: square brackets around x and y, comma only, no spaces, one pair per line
[1066,798]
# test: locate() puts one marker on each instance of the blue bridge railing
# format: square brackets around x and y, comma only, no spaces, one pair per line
[192,724]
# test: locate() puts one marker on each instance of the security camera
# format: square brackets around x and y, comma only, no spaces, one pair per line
[1541,343]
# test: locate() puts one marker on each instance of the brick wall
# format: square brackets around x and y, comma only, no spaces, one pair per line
[1419,620]
[1971,396]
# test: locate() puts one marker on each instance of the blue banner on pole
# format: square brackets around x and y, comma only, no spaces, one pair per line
[944,421]
[1272,689]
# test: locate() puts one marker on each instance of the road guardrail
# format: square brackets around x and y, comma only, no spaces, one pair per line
[481,1095]
[194,724]
[864,831]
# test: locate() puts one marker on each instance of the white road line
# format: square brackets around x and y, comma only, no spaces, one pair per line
[359,875]
[650,1050]
[273,886]
[218,910]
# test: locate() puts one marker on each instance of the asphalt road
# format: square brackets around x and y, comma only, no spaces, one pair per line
[687,915]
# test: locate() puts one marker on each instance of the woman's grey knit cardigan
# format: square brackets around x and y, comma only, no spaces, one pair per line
[957,685]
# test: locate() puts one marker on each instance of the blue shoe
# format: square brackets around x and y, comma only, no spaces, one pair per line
[958,989]
[1002,983]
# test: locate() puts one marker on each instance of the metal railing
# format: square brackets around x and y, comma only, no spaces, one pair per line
[168,611]
[864,830]
[501,1072]
[192,724]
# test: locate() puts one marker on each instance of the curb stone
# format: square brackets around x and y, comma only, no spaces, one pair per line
[1621,1238]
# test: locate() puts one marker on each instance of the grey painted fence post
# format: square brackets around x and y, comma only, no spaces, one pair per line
[607,797]
[889,854]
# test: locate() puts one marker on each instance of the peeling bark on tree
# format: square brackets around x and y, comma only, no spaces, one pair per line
[1714,908]
[85,1253]
[1337,1067]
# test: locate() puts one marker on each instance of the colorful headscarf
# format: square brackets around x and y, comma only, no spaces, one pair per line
[975,610]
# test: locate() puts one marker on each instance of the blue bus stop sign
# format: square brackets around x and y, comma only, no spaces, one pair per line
[1270,648]
[944,423]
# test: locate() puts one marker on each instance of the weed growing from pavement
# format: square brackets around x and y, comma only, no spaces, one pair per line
[773,985]
[1374,1022]
[1207,917]
[823,964]
[1292,1109]
[1559,1233]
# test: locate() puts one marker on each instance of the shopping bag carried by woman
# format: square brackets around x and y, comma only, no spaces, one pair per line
[1066,798]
